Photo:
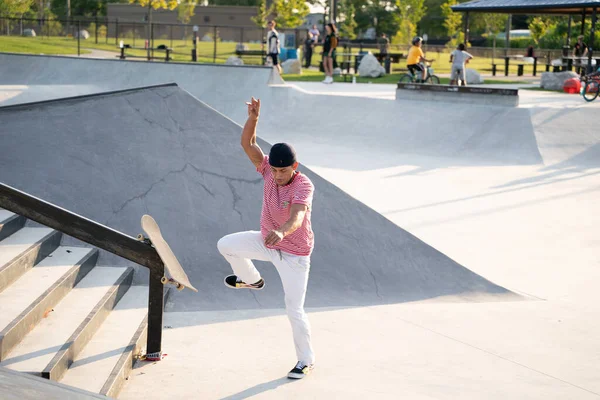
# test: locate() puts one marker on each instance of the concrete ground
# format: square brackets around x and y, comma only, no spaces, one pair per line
[511,195]
[531,228]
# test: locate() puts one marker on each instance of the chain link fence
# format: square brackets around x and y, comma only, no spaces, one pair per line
[200,43]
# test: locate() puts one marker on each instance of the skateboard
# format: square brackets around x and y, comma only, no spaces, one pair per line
[174,273]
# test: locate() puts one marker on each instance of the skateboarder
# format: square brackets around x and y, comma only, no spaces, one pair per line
[285,237]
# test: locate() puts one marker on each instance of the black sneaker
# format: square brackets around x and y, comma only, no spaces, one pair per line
[300,370]
[234,282]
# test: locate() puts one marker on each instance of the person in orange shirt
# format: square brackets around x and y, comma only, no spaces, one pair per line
[415,59]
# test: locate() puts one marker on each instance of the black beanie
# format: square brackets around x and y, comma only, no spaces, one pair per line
[282,155]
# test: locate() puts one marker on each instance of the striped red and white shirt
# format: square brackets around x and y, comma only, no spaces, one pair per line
[277,204]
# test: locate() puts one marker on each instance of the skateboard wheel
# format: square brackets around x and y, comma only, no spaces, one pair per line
[140,237]
[164,280]
[180,287]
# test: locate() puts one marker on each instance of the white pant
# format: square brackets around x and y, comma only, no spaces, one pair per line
[242,247]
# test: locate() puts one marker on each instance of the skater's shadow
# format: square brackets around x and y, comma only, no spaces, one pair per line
[263,387]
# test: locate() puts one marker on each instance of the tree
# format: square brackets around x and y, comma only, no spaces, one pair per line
[262,14]
[285,13]
[289,13]
[411,13]
[381,14]
[86,8]
[491,25]
[453,24]
[412,10]
[347,15]
[539,27]
[154,5]
[185,12]
[405,34]
[14,8]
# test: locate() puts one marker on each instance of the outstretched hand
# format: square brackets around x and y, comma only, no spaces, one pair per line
[253,108]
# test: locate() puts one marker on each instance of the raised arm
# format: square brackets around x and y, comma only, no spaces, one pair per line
[249,144]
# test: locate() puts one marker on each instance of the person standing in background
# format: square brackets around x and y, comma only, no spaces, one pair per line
[459,58]
[315,34]
[273,44]
[384,45]
[329,45]
[309,44]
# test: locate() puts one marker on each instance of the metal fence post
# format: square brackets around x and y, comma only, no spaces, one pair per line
[215,44]
[171,34]
[96,29]
[78,38]
[117,31]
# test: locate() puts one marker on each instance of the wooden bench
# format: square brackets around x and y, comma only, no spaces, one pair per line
[167,57]
[394,57]
[252,53]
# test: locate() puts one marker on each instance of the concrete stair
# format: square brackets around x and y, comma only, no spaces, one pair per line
[62,317]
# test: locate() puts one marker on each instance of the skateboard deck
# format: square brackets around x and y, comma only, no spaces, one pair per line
[174,273]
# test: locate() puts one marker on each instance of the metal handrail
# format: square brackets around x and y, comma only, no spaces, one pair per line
[100,236]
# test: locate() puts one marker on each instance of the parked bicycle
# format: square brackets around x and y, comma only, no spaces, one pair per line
[409,77]
[590,86]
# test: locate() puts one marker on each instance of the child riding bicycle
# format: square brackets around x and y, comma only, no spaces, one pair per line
[415,60]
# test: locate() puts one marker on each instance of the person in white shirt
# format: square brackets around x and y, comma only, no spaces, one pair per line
[273,44]
[459,58]
[315,34]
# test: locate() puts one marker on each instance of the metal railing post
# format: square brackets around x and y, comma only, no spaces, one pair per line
[155,311]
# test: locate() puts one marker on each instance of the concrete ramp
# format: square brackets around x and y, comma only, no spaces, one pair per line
[27,78]
[454,134]
[160,151]
[462,133]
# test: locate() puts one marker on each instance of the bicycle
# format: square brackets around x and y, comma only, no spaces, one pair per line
[409,77]
[590,87]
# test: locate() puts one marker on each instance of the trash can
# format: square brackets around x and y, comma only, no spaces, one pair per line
[292,54]
[387,63]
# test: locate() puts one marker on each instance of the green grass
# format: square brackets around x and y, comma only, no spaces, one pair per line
[182,50]
[206,54]
[36,45]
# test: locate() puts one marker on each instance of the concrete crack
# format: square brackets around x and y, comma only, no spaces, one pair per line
[365,262]
[156,92]
[149,121]
[236,198]
[255,298]
[229,178]
[142,195]
[375,282]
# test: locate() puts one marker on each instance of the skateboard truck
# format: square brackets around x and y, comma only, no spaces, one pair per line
[144,239]
[164,280]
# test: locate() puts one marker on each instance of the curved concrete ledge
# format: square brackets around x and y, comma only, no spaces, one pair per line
[458,94]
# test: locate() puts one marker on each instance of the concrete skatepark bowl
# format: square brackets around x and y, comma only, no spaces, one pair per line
[456,248]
